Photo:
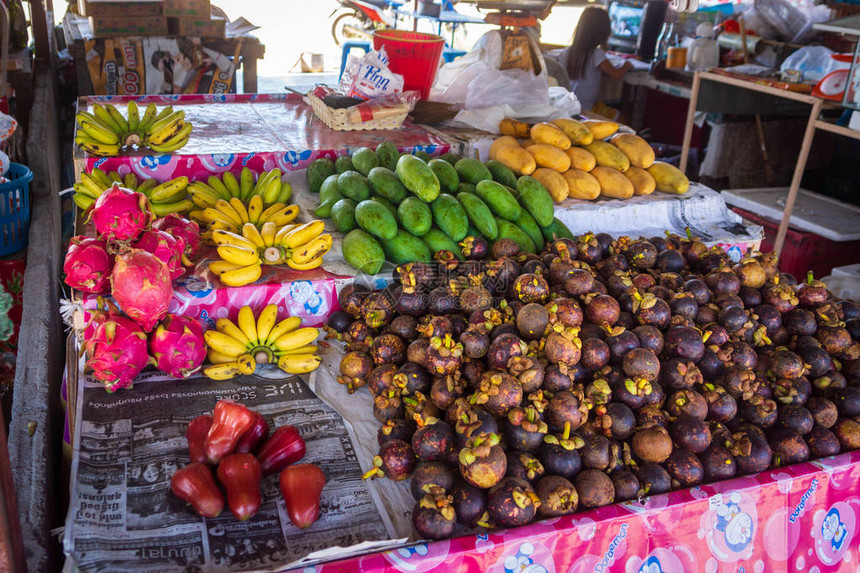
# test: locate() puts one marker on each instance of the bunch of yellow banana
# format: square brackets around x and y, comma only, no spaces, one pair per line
[164,198]
[299,246]
[232,214]
[260,340]
[106,131]
[268,186]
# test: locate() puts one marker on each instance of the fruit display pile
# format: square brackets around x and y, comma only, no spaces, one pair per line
[164,198]
[585,159]
[236,441]
[524,386]
[404,208]
[106,131]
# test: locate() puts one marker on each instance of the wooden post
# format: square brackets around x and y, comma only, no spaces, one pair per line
[805,146]
[688,127]
[11,542]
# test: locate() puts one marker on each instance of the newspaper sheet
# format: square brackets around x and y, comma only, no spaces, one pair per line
[122,516]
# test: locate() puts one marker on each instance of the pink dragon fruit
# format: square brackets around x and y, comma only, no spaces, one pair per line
[141,286]
[117,353]
[181,228]
[120,214]
[166,247]
[178,346]
[87,265]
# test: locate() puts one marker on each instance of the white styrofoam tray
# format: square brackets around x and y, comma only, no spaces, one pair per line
[813,213]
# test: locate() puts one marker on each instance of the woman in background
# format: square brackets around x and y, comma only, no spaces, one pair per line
[585,61]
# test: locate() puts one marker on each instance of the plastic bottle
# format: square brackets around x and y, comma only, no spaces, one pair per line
[703,53]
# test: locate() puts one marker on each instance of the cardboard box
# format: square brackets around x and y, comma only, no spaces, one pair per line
[109,26]
[186,8]
[120,8]
[202,27]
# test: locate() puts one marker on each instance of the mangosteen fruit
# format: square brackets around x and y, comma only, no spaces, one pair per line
[718,463]
[796,418]
[399,429]
[847,430]
[670,261]
[822,442]
[847,401]
[626,484]
[601,309]
[722,407]
[687,402]
[684,469]
[835,339]
[615,420]
[817,360]
[563,346]
[444,356]
[684,342]
[751,451]
[596,452]
[524,429]
[652,444]
[524,465]
[650,338]
[498,392]
[557,496]
[433,516]
[433,440]
[476,344]
[428,475]
[595,489]
[740,382]
[388,406]
[482,461]
[690,433]
[786,364]
[652,311]
[759,411]
[477,422]
[503,348]
[680,374]
[512,502]
[529,371]
[395,461]
[504,248]
[564,311]
[350,297]
[633,393]
[788,447]
[416,352]
[751,297]
[723,281]
[564,409]
[474,248]
[359,336]
[555,380]
[653,479]
[441,301]
[824,412]
[388,349]
[559,454]
[446,389]
[620,342]
[641,363]
[578,282]
[700,291]
[530,288]
[532,320]
[381,379]
[355,367]
[470,502]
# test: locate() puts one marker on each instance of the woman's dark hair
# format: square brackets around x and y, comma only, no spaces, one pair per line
[591,31]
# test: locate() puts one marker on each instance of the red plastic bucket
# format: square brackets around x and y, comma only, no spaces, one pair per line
[413,55]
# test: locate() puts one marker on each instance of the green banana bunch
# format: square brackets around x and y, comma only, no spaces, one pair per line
[105,131]
[268,187]
[164,198]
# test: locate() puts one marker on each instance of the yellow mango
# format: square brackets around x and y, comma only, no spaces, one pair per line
[547,155]
[514,128]
[554,182]
[635,148]
[581,159]
[601,129]
[613,183]
[581,185]
[548,133]
[643,182]
[575,130]
[516,158]
[607,155]
[501,142]
[669,178]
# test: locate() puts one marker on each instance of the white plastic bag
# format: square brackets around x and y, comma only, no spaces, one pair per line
[814,61]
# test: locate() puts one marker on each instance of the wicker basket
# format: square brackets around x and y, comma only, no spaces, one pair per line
[338,119]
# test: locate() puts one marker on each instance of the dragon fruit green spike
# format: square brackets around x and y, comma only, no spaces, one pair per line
[88,265]
[141,286]
[181,228]
[164,246]
[117,352]
[178,346]
[120,214]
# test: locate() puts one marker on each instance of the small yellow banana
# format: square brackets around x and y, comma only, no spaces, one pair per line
[221,224]
[269,212]
[239,255]
[262,182]
[268,232]
[285,216]
[285,193]
[309,349]
[299,363]
[266,322]
[289,324]
[246,183]
[164,209]
[229,213]
[243,365]
[250,232]
[303,234]
[242,276]
[232,185]
[216,357]
[311,251]
[130,181]
[240,209]
[272,190]
[226,238]
[146,186]
[223,343]
[296,338]
[228,327]
[255,208]
[248,324]
[314,264]
[283,232]
[221,267]
[100,177]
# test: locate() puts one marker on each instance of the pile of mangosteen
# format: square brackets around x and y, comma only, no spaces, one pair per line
[520,386]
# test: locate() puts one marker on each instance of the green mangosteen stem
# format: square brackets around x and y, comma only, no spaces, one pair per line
[689,233]
[809,277]
[566,434]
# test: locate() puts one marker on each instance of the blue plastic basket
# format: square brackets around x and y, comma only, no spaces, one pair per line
[15,209]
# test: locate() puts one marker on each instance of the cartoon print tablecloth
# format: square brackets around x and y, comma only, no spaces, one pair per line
[802,518]
[259,131]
